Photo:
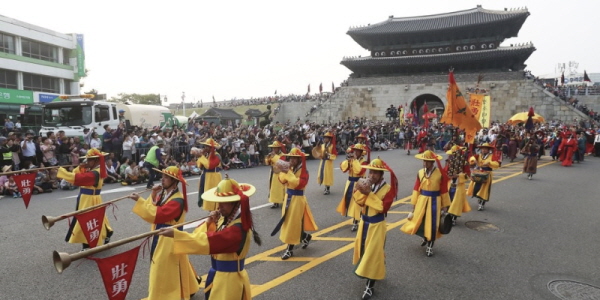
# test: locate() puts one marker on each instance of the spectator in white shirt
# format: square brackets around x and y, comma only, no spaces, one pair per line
[127,147]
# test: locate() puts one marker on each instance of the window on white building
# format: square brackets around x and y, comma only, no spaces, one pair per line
[39,83]
[8,79]
[7,43]
[38,50]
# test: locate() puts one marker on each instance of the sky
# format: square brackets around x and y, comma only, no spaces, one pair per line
[244,49]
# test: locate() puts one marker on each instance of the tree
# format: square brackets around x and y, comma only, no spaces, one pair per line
[149,99]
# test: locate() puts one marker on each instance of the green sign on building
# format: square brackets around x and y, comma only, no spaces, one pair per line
[16,96]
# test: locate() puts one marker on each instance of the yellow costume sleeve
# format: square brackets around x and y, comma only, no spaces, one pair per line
[202,162]
[145,209]
[344,166]
[356,167]
[414,197]
[494,165]
[289,178]
[191,243]
[66,175]
[331,155]
[371,200]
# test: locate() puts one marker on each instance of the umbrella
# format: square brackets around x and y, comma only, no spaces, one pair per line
[522,118]
[430,115]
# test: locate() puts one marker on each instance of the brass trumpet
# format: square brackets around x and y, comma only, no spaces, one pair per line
[36,169]
[63,260]
[49,221]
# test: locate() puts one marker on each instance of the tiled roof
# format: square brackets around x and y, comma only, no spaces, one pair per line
[449,59]
[222,112]
[475,16]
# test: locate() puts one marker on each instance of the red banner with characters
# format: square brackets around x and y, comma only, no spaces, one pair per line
[91,224]
[117,272]
[25,184]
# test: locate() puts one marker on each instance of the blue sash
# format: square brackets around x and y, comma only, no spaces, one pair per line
[322,171]
[433,195]
[221,266]
[155,238]
[348,195]
[373,219]
[290,193]
[91,192]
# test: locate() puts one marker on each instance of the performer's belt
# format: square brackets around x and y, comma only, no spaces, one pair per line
[430,193]
[373,219]
[227,265]
[351,178]
[531,155]
[291,192]
[212,170]
[488,169]
[90,191]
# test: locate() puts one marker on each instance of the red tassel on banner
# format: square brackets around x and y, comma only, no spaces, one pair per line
[91,224]
[25,184]
[117,272]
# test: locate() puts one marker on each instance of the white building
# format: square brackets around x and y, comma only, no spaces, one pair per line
[36,65]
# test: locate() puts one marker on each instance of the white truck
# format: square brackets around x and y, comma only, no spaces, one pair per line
[74,115]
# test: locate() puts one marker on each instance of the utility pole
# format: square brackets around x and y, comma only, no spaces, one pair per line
[183,102]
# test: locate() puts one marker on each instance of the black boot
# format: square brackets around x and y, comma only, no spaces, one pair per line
[454,220]
[108,235]
[275,205]
[354,225]
[288,252]
[327,192]
[306,240]
[369,289]
[429,249]
[424,242]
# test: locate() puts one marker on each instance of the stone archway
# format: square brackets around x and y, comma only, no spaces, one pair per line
[434,105]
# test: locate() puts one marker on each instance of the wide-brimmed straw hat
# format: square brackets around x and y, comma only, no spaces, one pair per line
[94,153]
[211,143]
[296,152]
[455,149]
[486,145]
[428,156]
[226,191]
[328,134]
[377,164]
[276,144]
[173,172]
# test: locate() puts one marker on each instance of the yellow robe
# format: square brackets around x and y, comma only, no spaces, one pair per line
[85,201]
[171,275]
[298,216]
[353,167]
[459,202]
[325,175]
[225,285]
[369,255]
[484,191]
[276,188]
[208,180]
[424,213]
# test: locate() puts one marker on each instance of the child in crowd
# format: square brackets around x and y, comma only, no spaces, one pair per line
[10,187]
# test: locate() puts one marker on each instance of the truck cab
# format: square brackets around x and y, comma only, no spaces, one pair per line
[74,115]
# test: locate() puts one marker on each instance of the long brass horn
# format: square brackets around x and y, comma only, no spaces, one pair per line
[48,221]
[63,260]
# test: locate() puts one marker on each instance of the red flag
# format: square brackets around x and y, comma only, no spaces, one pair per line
[562,78]
[586,77]
[425,111]
[308,89]
[321,87]
[117,272]
[25,184]
[91,224]
[332,87]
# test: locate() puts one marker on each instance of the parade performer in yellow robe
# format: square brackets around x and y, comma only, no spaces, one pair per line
[483,164]
[90,177]
[209,163]
[276,188]
[328,155]
[374,199]
[226,237]
[171,274]
[429,198]
[458,178]
[296,216]
[363,139]
[353,165]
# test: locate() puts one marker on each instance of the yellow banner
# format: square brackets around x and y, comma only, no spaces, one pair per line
[486,109]
[476,103]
